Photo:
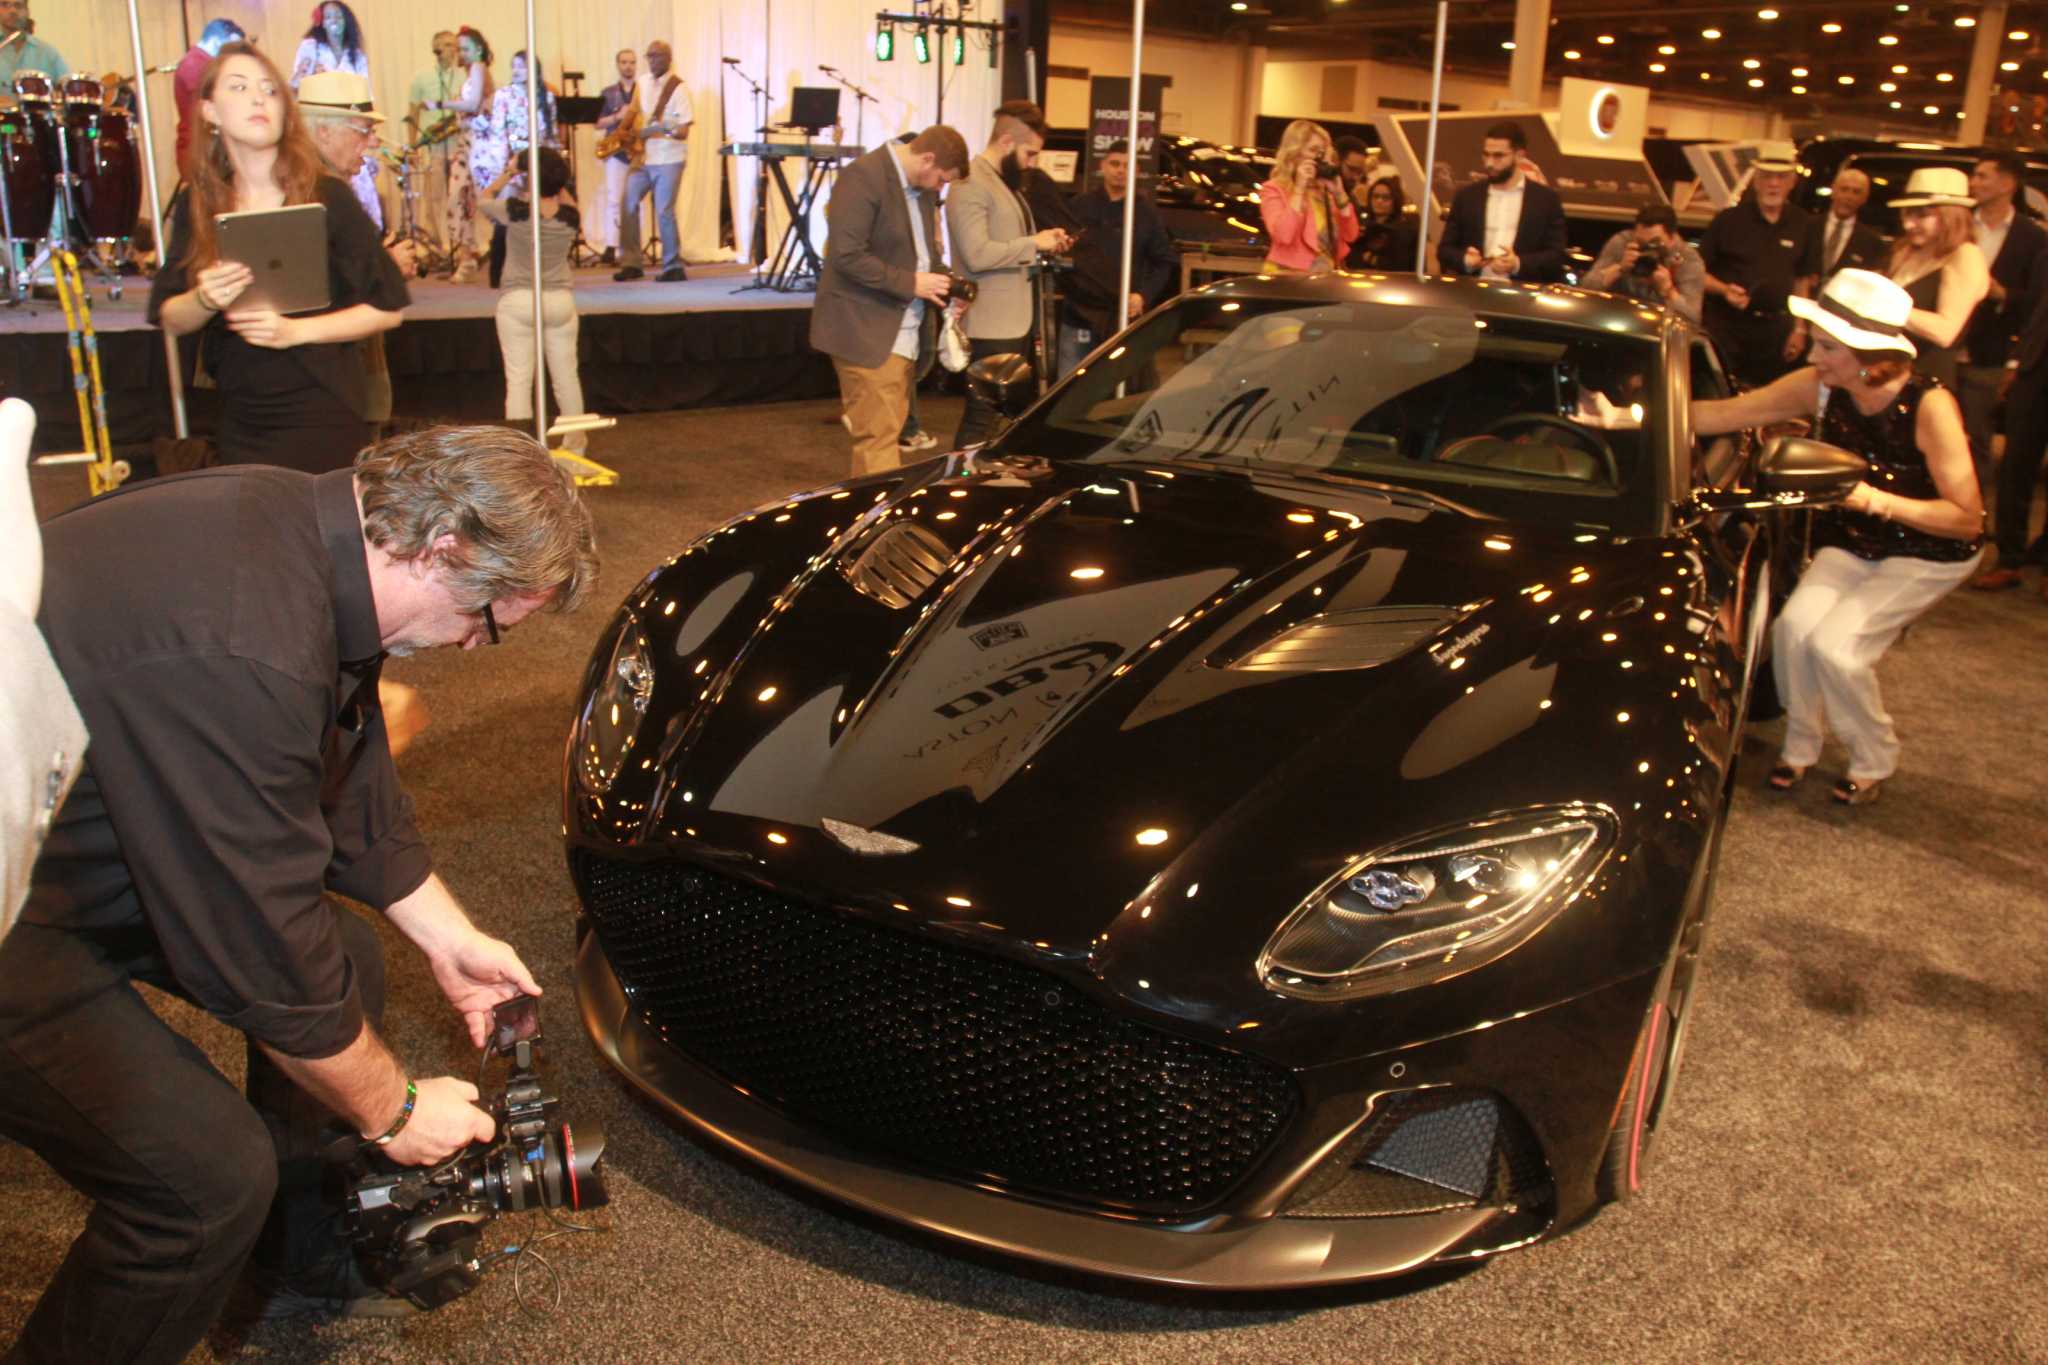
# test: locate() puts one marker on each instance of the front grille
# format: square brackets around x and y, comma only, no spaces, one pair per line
[1425,1151]
[928,1053]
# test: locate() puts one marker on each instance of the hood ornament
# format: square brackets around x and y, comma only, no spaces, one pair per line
[867,841]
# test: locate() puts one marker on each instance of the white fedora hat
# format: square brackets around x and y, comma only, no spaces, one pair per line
[338,92]
[1861,309]
[1775,156]
[1934,186]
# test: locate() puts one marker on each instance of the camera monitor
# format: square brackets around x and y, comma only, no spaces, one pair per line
[814,108]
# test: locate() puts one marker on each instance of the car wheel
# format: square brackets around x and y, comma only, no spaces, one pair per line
[1651,1072]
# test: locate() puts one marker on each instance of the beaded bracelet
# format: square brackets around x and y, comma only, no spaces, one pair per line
[412,1094]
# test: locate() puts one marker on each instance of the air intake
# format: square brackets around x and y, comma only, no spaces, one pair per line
[1345,639]
[898,565]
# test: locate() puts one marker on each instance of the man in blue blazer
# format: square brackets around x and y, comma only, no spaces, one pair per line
[1506,226]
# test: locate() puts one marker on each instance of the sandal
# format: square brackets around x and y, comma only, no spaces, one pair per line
[1853,793]
[1784,777]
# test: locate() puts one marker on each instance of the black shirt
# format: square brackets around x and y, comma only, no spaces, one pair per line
[358,271]
[218,632]
[1768,259]
[1098,259]
[1889,439]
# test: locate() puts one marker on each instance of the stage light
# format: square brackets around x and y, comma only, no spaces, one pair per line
[921,45]
[959,49]
[885,43]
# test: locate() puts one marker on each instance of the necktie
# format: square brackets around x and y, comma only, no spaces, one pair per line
[1838,234]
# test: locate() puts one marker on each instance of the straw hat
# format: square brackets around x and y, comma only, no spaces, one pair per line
[1934,187]
[1861,309]
[1775,156]
[338,92]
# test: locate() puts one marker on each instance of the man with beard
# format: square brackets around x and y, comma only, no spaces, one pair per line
[21,50]
[1504,226]
[603,222]
[665,119]
[996,243]
[1088,310]
[1759,253]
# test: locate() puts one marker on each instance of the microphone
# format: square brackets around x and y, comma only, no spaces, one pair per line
[167,69]
[730,61]
[826,69]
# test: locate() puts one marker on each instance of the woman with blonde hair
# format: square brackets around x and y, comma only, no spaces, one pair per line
[472,108]
[1937,262]
[1310,222]
[294,389]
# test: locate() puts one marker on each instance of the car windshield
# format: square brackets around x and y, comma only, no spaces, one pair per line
[1517,417]
[1229,168]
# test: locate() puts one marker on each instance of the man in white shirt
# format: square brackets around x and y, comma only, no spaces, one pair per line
[665,119]
[1504,225]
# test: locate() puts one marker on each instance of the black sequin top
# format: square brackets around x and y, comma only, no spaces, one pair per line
[1886,439]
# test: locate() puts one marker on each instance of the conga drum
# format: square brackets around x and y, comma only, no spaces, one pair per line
[28,162]
[106,169]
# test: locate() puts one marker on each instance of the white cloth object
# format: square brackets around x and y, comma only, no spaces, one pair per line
[664,151]
[1839,621]
[1991,240]
[954,352]
[913,316]
[560,327]
[601,228]
[1503,220]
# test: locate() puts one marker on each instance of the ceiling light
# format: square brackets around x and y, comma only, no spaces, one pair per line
[1801,71]
[1710,33]
[1845,80]
[1239,5]
[1831,28]
[1750,63]
[1889,86]
[1966,21]
[1944,76]
[1756,82]
[1666,50]
[2019,35]
[2008,66]
[1897,105]
[1706,75]
[1798,89]
[1899,70]
[1903,9]
[1931,109]
[1571,54]
[1888,40]
[1766,14]
[1605,40]
[1508,45]
[1657,68]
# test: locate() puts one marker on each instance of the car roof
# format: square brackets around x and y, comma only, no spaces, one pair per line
[1588,308]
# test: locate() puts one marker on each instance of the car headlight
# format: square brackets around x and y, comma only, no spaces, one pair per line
[1436,906]
[618,700]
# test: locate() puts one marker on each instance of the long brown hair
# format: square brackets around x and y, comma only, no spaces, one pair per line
[210,176]
[1953,227]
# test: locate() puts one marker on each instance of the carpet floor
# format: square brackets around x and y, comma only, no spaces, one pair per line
[1851,1171]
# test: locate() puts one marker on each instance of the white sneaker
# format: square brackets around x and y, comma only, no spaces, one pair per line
[924,440]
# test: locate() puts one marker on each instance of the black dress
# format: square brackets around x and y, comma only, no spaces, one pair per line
[303,407]
[1936,362]
[1888,439]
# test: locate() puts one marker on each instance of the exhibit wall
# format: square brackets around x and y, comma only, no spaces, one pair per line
[780,43]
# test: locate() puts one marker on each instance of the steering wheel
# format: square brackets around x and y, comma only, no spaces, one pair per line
[1584,437]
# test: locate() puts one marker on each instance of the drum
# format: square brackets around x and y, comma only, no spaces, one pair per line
[78,88]
[32,87]
[29,175]
[107,170]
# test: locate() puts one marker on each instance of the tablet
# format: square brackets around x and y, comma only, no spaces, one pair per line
[287,250]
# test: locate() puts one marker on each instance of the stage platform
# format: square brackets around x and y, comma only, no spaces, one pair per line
[645,347]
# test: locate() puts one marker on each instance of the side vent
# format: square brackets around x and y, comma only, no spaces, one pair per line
[1341,640]
[898,565]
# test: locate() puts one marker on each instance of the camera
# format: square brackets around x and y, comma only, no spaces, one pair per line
[960,289]
[1328,170]
[1648,258]
[415,1229]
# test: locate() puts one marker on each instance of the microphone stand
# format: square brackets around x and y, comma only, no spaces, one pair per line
[759,236]
[861,99]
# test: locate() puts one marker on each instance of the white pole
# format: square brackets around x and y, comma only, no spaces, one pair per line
[156,211]
[1436,104]
[1123,292]
[540,350]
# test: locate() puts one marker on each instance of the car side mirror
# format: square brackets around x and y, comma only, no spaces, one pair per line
[1794,471]
[1006,383]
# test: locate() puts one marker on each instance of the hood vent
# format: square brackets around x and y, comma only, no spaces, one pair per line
[898,565]
[1346,639]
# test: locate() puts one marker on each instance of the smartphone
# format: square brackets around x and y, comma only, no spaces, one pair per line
[514,1022]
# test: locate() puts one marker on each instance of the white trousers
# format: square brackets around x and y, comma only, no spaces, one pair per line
[601,223]
[515,339]
[1825,645]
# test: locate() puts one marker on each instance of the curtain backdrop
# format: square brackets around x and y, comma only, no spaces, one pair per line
[778,42]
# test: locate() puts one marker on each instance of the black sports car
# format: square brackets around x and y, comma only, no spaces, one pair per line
[1249,825]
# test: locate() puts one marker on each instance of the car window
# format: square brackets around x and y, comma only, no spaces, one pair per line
[1718,460]
[1523,417]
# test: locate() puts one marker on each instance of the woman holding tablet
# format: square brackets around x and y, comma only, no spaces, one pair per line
[293,389]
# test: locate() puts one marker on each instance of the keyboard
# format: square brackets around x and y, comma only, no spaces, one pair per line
[813,151]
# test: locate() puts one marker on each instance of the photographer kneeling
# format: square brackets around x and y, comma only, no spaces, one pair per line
[1651,262]
[222,633]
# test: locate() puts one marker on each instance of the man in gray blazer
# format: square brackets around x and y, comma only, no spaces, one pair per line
[884,282]
[996,244]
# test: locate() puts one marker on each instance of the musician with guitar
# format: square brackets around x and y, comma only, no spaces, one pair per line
[656,139]
[432,128]
[601,228]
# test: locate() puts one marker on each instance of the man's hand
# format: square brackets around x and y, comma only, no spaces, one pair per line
[444,1120]
[1737,296]
[933,285]
[1661,278]
[266,328]
[477,972]
[1473,260]
[1631,250]
[1507,262]
[1133,306]
[1052,241]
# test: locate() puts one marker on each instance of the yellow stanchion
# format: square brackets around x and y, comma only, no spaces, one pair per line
[104,473]
[588,473]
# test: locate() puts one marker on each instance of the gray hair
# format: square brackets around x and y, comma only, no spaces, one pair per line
[520,528]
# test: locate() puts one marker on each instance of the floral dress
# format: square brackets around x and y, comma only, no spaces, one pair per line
[460,228]
[504,133]
[316,56]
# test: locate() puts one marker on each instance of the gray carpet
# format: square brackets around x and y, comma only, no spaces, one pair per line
[1851,1172]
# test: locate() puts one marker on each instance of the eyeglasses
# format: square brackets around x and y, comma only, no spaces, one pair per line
[490,623]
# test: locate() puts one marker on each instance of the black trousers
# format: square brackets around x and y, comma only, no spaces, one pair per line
[979,419]
[186,1176]
[2019,471]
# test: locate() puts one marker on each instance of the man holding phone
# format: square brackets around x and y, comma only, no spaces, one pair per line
[1505,225]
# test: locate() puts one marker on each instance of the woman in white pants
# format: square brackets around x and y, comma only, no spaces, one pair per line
[1901,541]
[558,223]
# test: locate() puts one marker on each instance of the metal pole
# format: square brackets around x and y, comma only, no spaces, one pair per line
[156,211]
[1123,292]
[1436,104]
[540,350]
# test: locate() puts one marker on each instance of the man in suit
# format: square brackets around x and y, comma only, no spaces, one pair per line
[2011,243]
[1846,242]
[884,282]
[996,244]
[1504,226]
[2025,393]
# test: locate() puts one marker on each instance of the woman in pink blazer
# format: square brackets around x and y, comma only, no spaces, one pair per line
[1309,219]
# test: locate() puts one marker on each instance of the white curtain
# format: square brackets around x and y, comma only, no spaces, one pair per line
[779,42]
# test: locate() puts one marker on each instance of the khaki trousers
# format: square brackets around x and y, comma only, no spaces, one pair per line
[875,402]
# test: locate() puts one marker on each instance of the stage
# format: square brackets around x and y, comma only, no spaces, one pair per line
[645,347]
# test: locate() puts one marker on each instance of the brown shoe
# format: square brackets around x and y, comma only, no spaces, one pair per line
[1992,580]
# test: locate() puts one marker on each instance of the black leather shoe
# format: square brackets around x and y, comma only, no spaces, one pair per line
[339,1290]
[672,275]
[631,272]
[610,257]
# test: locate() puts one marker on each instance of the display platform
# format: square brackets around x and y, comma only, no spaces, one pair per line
[645,347]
